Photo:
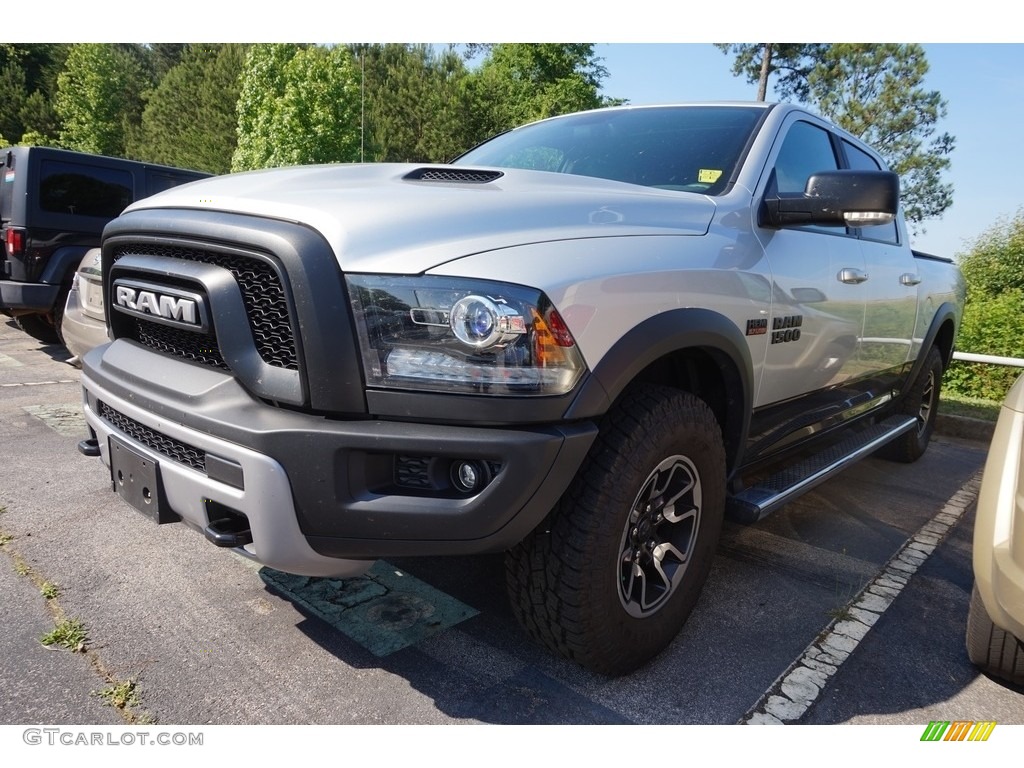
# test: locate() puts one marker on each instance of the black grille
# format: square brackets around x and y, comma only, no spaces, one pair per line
[452,175]
[263,294]
[183,453]
[198,347]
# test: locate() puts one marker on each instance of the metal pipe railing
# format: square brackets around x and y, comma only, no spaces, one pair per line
[970,357]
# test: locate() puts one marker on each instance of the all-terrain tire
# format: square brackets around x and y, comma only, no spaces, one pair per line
[922,401]
[990,648]
[612,576]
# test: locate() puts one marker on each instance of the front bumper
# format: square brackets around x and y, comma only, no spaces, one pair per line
[320,493]
[998,552]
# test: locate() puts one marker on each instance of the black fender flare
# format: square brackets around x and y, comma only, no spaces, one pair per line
[664,334]
[947,311]
[64,262]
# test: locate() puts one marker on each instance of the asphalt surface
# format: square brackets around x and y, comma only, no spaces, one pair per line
[207,640]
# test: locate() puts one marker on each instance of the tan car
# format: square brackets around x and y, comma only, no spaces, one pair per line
[995,622]
[84,324]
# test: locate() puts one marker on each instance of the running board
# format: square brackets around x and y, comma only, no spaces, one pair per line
[752,504]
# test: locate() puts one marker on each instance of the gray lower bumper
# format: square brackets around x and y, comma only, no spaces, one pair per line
[320,492]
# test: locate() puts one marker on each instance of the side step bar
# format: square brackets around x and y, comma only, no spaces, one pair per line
[752,504]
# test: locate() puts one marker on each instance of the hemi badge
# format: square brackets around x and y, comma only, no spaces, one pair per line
[757,327]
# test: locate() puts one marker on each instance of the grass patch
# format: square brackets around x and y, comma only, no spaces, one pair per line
[120,695]
[69,633]
[22,568]
[970,407]
[49,590]
[5,538]
[840,614]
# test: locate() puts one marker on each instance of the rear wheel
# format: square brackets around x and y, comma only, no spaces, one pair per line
[990,648]
[922,402]
[612,578]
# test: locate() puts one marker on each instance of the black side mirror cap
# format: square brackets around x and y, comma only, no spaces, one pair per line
[838,198]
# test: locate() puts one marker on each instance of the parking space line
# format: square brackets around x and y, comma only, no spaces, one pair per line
[803,682]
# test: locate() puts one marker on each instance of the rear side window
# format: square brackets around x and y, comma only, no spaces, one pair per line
[83,190]
[158,181]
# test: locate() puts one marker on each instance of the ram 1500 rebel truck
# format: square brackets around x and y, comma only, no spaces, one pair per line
[54,204]
[582,343]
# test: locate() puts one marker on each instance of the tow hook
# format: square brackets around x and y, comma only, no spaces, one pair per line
[229,532]
[89,447]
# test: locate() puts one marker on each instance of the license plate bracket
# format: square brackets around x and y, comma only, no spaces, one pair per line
[136,479]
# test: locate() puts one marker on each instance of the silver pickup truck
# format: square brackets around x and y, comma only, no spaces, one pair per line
[583,343]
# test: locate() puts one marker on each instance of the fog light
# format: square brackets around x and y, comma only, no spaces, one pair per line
[468,476]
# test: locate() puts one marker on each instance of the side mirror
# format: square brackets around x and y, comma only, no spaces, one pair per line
[838,199]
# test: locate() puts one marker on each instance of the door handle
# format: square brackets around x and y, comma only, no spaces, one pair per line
[851,276]
[909,278]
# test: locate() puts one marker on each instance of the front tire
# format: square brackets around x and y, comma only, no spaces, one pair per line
[612,578]
[990,648]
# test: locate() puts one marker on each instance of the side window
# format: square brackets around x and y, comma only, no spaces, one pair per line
[861,161]
[806,149]
[158,181]
[83,190]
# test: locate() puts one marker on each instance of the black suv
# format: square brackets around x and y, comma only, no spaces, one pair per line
[54,204]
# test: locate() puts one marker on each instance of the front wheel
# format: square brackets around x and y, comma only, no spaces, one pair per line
[612,578]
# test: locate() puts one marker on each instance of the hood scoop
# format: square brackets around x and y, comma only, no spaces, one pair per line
[453,175]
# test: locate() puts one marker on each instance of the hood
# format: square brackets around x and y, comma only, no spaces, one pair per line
[406,219]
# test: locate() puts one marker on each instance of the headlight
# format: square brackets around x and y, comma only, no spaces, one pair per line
[457,335]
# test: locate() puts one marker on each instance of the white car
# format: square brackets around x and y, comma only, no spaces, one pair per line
[84,324]
[995,622]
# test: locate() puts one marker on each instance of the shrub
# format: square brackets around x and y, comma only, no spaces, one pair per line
[993,325]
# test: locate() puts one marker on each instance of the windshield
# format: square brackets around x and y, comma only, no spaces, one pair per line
[692,149]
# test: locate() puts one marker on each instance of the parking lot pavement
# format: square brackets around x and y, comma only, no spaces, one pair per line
[206,638]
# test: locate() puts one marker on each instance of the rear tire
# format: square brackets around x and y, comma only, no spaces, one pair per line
[39,327]
[612,578]
[990,648]
[922,401]
[47,326]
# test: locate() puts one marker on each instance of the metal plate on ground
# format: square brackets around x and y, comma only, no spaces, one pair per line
[384,610]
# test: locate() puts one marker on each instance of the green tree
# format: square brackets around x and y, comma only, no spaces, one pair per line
[414,103]
[298,104]
[994,263]
[99,98]
[757,62]
[521,82]
[876,92]
[13,96]
[28,83]
[166,56]
[190,118]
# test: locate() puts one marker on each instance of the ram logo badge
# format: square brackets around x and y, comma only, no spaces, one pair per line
[161,304]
